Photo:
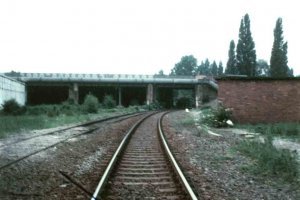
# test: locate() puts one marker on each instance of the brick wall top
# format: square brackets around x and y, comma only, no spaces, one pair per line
[261,101]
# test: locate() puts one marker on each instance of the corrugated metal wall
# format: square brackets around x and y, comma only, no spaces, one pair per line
[12,89]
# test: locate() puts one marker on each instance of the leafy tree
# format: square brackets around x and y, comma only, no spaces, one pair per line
[245,51]
[186,66]
[231,63]
[262,68]
[220,69]
[214,69]
[161,72]
[279,60]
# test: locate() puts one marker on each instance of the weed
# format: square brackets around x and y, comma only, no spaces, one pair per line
[270,161]
[109,102]
[90,104]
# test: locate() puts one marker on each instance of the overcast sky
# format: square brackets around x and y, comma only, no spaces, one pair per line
[135,36]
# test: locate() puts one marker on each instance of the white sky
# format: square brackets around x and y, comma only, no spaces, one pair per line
[135,36]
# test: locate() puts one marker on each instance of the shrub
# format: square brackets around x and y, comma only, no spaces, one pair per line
[109,102]
[12,107]
[90,104]
[217,117]
[270,160]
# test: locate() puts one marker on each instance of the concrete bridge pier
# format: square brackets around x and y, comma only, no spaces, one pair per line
[74,93]
[150,94]
[120,96]
[198,95]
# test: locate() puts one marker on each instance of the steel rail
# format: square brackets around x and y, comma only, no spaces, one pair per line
[113,161]
[50,146]
[173,162]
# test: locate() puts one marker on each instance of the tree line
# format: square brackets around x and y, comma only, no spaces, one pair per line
[242,58]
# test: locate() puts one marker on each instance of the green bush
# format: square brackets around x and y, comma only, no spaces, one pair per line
[109,102]
[90,104]
[271,161]
[12,107]
[216,117]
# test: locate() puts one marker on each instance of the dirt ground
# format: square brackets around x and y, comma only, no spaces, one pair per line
[208,161]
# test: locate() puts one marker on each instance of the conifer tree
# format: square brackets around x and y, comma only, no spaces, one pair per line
[220,69]
[231,63]
[279,60]
[214,69]
[245,51]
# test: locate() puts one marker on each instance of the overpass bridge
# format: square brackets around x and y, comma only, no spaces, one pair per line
[58,87]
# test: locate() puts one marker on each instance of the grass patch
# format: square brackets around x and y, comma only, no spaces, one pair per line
[288,130]
[16,124]
[269,161]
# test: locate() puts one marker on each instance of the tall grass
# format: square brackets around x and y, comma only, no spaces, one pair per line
[14,124]
[270,161]
[290,130]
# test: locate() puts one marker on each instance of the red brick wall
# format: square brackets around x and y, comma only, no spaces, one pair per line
[261,101]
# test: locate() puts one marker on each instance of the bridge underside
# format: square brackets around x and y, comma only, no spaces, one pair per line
[168,95]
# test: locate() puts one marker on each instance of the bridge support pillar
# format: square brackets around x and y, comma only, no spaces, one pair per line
[74,93]
[150,94]
[120,96]
[198,95]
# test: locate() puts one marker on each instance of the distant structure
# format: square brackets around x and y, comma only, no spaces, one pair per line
[125,88]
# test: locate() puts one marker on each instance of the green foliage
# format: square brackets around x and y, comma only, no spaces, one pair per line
[280,129]
[269,160]
[204,68]
[262,68]
[245,52]
[12,107]
[216,117]
[90,104]
[231,63]
[109,102]
[279,60]
[186,66]
[214,69]
[220,69]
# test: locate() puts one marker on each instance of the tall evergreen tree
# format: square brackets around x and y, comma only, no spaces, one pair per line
[245,51]
[231,63]
[279,60]
[214,69]
[220,69]
[206,67]
[186,66]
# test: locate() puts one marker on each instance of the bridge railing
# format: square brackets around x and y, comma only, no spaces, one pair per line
[100,76]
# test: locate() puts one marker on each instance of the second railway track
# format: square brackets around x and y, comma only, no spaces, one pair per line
[63,135]
[143,167]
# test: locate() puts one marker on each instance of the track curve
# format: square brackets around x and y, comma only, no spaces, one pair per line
[142,169]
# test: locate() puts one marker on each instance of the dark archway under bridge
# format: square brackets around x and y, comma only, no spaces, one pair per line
[125,89]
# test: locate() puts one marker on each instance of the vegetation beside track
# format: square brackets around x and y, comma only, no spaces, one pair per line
[266,160]
[18,119]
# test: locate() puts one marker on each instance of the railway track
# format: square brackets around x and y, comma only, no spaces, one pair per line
[143,167]
[68,133]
